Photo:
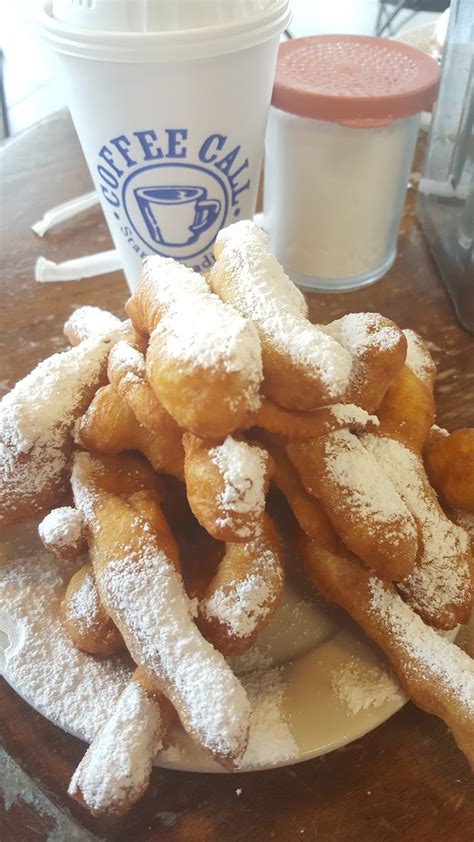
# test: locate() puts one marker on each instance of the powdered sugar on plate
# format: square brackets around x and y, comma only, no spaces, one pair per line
[270,738]
[360,686]
[263,292]
[271,741]
[243,469]
[71,688]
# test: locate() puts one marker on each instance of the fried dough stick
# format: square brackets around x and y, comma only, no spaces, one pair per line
[141,590]
[449,461]
[85,619]
[439,586]
[305,507]
[226,485]
[305,365]
[360,501]
[378,349]
[91,323]
[110,426]
[36,421]
[203,360]
[436,674]
[309,425]
[126,371]
[115,770]
[244,593]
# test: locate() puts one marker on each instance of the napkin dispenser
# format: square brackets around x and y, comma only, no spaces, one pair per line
[445,202]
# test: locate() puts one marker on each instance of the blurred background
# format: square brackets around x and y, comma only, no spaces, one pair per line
[29,90]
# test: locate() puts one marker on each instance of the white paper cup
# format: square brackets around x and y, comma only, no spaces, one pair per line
[172,127]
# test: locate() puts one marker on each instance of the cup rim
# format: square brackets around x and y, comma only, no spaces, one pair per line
[165,46]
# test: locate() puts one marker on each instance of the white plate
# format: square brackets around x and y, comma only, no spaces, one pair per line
[314,665]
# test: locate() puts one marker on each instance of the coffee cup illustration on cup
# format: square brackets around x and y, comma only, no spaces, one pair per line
[176,216]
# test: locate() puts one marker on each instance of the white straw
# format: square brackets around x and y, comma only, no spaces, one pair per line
[65,211]
[81,267]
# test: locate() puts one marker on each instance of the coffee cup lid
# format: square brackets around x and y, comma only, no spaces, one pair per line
[353,80]
[160,30]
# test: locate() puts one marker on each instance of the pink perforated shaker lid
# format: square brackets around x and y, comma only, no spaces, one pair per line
[354,80]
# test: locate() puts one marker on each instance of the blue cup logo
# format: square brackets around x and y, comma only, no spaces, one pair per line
[193,213]
[174,209]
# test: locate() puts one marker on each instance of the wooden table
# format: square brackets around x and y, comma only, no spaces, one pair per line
[406,781]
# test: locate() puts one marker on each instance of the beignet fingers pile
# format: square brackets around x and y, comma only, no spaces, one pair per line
[186,415]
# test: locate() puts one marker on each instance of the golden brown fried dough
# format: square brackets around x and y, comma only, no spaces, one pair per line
[203,360]
[378,349]
[143,593]
[359,500]
[449,461]
[306,509]
[85,619]
[435,673]
[115,770]
[226,485]
[244,593]
[36,421]
[110,426]
[407,411]
[308,425]
[439,586]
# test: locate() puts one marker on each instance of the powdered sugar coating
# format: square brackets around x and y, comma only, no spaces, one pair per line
[429,652]
[441,574]
[90,323]
[39,408]
[353,415]
[370,492]
[37,415]
[197,329]
[244,607]
[116,768]
[418,358]
[268,297]
[83,605]
[243,469]
[124,358]
[466,521]
[361,331]
[61,528]
[143,591]
[149,595]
